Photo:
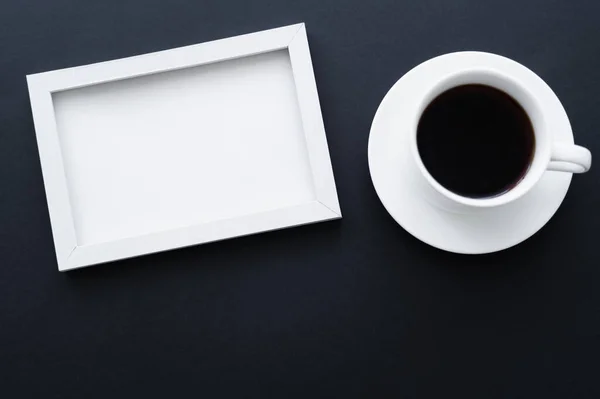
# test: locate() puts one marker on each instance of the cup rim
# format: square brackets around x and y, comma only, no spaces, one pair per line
[463,77]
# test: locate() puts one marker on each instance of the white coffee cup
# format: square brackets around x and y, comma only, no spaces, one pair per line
[522,85]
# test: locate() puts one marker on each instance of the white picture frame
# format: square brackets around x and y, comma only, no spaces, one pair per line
[87,144]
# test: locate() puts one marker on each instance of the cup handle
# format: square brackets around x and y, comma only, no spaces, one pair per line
[570,158]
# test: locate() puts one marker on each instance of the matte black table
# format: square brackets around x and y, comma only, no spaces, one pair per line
[352,308]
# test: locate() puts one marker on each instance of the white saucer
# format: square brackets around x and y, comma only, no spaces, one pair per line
[489,230]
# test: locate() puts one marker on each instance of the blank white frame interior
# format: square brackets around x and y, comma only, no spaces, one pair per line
[182,147]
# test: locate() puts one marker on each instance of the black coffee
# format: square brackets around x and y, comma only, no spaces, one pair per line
[476,141]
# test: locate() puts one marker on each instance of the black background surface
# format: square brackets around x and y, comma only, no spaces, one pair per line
[351,308]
